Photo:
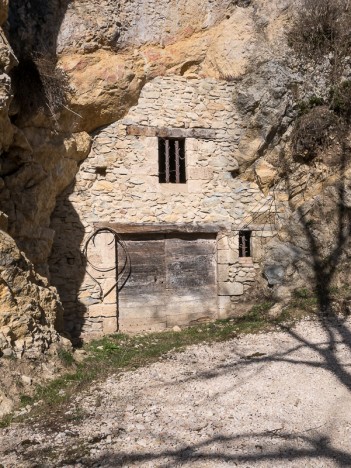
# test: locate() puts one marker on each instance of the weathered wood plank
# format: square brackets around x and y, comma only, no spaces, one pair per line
[144,228]
[190,265]
[172,278]
[177,247]
[146,269]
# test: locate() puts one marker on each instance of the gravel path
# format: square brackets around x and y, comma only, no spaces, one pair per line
[280,399]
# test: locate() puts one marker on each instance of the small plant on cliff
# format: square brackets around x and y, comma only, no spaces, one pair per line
[314,131]
[304,107]
[340,100]
[321,28]
[39,85]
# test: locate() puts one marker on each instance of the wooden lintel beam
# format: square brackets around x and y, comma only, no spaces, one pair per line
[160,228]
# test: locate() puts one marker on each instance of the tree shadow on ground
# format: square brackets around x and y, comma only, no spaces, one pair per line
[259,447]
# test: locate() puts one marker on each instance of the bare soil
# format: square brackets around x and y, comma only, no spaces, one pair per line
[279,399]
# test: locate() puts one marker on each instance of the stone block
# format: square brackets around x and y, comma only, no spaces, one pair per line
[224,307]
[109,325]
[246,262]
[230,289]
[102,310]
[110,290]
[172,188]
[223,243]
[196,186]
[227,256]
[103,186]
[223,272]
[200,173]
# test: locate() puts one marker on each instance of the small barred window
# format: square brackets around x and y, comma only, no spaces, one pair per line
[171,160]
[245,243]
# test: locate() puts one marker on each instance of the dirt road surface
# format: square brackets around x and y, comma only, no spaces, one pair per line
[281,399]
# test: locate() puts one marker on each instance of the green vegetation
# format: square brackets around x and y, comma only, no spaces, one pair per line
[314,131]
[305,106]
[120,352]
[320,34]
[340,99]
[117,353]
[304,302]
[66,357]
[322,28]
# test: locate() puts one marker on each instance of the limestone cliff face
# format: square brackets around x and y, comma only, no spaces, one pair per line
[110,51]
[29,309]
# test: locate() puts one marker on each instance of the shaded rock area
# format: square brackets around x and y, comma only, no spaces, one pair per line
[30,317]
[30,310]
[276,399]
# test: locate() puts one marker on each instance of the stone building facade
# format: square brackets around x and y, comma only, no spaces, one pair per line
[179,244]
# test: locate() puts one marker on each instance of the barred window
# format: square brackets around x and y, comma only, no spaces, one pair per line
[171,160]
[245,243]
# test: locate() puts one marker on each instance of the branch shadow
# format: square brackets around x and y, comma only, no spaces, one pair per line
[259,448]
[326,258]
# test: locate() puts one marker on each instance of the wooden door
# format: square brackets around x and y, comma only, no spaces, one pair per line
[172,281]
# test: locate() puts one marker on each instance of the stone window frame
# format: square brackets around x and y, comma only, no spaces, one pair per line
[172,160]
[245,243]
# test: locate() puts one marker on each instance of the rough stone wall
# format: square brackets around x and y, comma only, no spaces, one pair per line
[30,312]
[214,54]
[127,190]
[110,50]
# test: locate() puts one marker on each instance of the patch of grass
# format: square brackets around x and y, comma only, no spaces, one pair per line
[26,400]
[66,357]
[5,421]
[120,352]
[304,107]
[304,302]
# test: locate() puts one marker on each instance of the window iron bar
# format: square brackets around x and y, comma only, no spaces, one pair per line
[177,163]
[167,152]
